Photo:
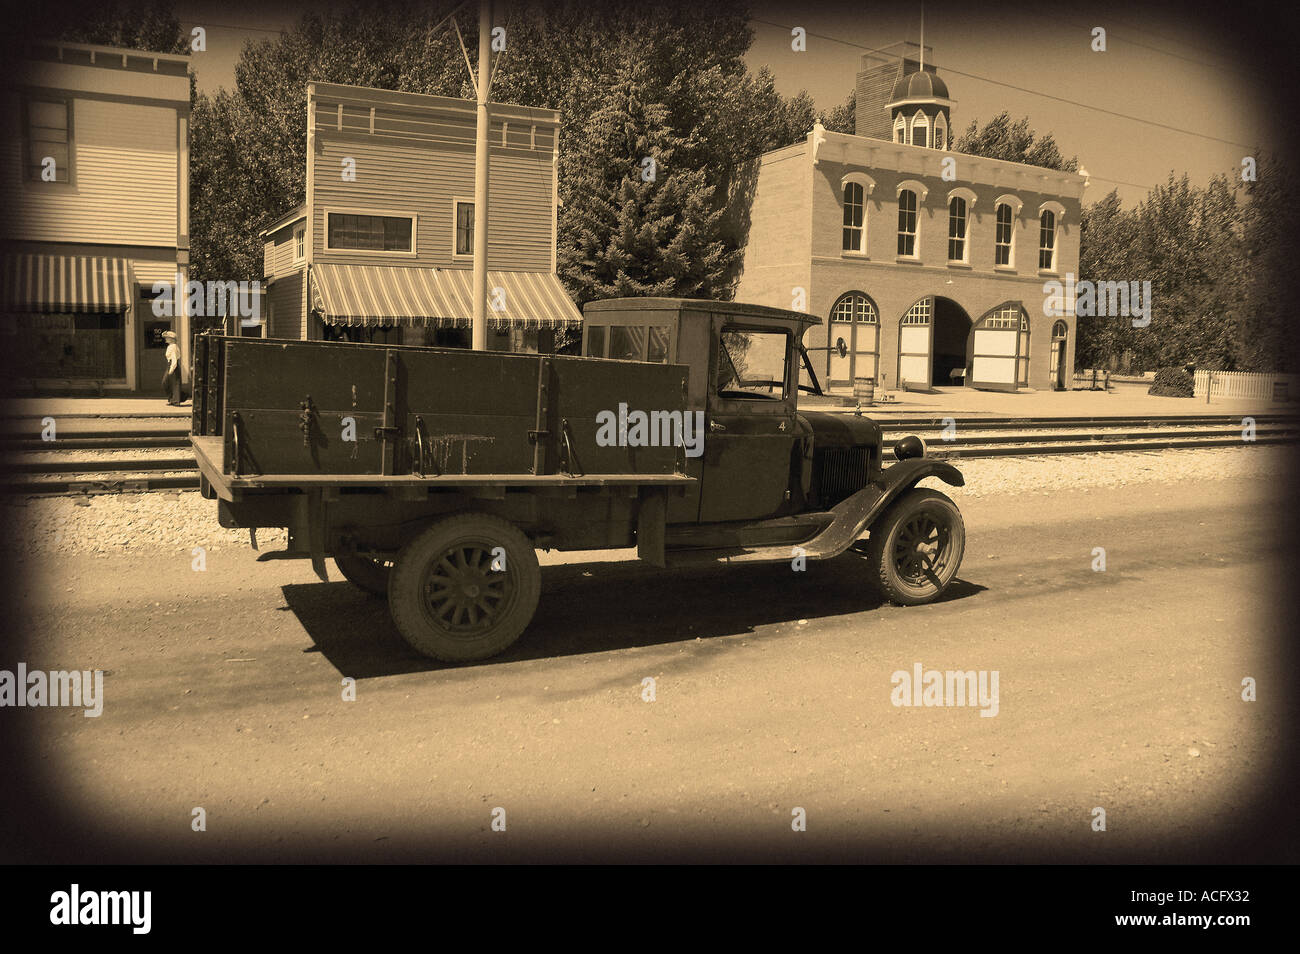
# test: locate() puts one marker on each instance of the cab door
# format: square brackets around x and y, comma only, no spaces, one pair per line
[750,428]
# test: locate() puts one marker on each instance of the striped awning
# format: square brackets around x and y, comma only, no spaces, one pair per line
[64,283]
[438,297]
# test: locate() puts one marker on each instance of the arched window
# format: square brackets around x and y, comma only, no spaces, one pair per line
[907,223]
[1005,232]
[1047,240]
[940,132]
[960,203]
[920,129]
[1060,331]
[855,307]
[854,206]
[900,129]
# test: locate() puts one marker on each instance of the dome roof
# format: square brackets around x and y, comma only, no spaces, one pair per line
[920,85]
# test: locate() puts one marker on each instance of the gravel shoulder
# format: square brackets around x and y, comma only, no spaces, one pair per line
[182,520]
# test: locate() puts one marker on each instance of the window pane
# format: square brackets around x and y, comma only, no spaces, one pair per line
[658,347]
[627,344]
[382,233]
[596,341]
[752,362]
[464,228]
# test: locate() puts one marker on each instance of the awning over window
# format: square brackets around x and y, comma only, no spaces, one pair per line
[64,283]
[439,297]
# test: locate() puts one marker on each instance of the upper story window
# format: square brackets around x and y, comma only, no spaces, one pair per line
[464,215]
[900,130]
[300,242]
[940,133]
[349,231]
[1002,238]
[907,222]
[920,129]
[956,229]
[1047,240]
[48,129]
[853,217]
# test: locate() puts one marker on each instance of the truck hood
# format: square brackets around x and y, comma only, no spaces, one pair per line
[841,430]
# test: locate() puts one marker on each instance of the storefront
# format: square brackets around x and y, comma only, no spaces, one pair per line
[433,306]
[68,321]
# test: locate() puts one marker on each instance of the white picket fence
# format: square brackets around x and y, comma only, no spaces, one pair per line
[1248,384]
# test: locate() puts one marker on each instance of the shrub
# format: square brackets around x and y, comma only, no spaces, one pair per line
[1172,382]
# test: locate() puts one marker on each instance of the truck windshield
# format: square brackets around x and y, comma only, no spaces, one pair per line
[751,364]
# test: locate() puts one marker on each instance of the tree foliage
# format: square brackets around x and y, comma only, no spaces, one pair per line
[1000,138]
[630,80]
[1213,255]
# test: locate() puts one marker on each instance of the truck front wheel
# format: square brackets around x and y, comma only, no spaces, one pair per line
[916,547]
[465,588]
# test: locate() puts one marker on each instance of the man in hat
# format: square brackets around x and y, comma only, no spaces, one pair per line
[172,379]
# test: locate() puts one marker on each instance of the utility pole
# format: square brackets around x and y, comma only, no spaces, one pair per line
[481,175]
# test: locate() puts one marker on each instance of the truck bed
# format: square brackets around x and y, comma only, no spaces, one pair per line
[272,414]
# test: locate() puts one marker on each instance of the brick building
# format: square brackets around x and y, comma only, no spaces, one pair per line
[927,265]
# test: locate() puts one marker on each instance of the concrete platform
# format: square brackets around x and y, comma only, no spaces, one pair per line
[1122,400]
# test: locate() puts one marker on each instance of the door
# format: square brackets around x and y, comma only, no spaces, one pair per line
[995,349]
[1059,332]
[749,425]
[915,341]
[151,346]
[853,331]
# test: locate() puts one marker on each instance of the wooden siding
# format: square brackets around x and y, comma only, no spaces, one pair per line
[124,186]
[278,252]
[423,180]
[284,301]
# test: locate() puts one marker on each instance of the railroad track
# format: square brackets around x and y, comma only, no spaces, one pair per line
[136,460]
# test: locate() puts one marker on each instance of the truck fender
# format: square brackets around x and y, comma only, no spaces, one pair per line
[906,474]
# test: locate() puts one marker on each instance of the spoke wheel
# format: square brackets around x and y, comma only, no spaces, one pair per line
[916,547]
[465,588]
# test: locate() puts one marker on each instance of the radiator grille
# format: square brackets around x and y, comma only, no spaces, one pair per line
[839,472]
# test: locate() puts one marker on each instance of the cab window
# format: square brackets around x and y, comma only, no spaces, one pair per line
[752,364]
[596,341]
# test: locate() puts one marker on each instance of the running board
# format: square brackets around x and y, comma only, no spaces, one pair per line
[851,517]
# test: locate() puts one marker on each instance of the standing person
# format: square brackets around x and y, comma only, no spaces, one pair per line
[172,378]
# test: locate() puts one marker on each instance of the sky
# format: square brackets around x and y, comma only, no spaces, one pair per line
[1167,95]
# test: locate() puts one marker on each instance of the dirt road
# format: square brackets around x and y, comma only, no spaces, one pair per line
[1119,689]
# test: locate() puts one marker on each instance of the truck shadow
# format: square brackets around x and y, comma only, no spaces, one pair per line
[601,606]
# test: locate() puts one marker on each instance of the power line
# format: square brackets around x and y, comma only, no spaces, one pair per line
[1146,46]
[1031,92]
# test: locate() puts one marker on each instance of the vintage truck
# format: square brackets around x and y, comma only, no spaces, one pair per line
[433,475]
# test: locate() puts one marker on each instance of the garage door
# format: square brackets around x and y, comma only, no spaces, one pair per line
[996,360]
[915,336]
[853,322]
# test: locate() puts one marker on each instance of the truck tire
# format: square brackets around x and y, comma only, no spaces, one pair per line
[446,599]
[365,573]
[916,547]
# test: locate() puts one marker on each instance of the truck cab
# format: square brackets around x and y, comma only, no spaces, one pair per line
[746,367]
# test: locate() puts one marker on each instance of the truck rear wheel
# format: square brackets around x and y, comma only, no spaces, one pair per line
[365,572]
[465,588]
[916,547]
